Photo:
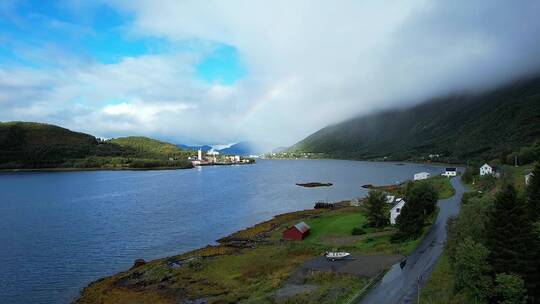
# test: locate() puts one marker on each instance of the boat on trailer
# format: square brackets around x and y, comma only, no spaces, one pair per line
[336,255]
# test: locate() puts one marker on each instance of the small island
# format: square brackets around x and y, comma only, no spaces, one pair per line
[314,184]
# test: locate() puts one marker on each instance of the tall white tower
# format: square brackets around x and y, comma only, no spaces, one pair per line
[199,154]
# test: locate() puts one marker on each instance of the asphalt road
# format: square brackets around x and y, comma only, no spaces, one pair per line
[401,285]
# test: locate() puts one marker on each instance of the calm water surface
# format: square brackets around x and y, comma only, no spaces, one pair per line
[61,230]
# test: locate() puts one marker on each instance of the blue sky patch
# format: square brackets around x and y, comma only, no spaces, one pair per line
[94,31]
[46,34]
[222,66]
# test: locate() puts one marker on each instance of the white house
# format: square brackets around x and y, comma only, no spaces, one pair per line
[355,202]
[450,172]
[421,175]
[486,169]
[528,178]
[396,210]
[390,199]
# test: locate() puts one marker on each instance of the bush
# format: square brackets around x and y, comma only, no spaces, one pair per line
[358,231]
[510,289]
[468,196]
[487,182]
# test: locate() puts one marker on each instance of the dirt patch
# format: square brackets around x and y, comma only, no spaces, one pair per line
[344,240]
[358,265]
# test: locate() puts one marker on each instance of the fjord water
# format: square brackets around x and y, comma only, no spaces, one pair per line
[62,230]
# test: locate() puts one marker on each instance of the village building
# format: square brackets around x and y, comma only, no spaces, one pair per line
[355,202]
[297,232]
[396,210]
[421,176]
[212,155]
[390,199]
[449,172]
[486,170]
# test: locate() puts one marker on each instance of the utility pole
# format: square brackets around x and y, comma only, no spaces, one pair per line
[515,161]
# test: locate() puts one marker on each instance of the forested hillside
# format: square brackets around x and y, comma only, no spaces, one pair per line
[459,128]
[29,145]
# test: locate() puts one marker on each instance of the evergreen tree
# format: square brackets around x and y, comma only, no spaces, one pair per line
[510,238]
[378,213]
[533,194]
[472,270]
[533,206]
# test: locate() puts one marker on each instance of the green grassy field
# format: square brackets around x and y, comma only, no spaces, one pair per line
[340,224]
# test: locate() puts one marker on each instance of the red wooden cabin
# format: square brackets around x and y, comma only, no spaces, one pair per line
[297,232]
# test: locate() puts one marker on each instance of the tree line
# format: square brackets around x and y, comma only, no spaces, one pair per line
[494,245]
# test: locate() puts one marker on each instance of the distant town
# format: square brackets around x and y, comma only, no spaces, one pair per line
[213,157]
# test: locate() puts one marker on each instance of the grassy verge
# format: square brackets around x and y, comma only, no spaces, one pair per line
[442,185]
[440,287]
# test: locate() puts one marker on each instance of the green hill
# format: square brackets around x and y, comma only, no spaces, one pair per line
[148,147]
[459,128]
[29,145]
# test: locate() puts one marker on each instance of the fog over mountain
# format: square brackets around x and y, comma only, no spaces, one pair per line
[195,72]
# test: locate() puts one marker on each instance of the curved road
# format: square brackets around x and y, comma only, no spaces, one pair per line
[401,285]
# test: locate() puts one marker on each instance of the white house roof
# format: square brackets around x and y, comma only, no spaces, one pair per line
[486,166]
[399,204]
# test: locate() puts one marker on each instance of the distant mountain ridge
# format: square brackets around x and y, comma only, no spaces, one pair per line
[204,148]
[460,128]
[243,148]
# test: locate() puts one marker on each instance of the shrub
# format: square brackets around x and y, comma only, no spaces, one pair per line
[358,231]
[510,289]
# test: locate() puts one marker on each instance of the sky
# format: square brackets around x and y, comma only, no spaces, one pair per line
[217,72]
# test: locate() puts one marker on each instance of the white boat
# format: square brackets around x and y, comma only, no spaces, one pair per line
[336,255]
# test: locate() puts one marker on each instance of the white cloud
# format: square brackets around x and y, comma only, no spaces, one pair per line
[309,63]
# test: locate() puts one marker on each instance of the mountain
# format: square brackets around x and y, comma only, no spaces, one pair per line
[243,148]
[30,145]
[460,128]
[204,148]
